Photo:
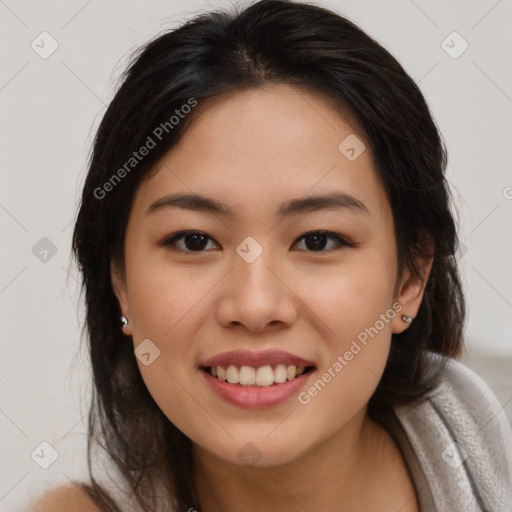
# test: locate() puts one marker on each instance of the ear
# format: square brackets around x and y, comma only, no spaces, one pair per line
[118,279]
[410,293]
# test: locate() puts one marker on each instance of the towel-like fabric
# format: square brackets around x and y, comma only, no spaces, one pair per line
[461,439]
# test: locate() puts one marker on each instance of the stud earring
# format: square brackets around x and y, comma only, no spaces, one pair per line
[124,321]
[407,319]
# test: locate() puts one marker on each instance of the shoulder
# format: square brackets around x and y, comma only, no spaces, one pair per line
[64,499]
[467,407]
[462,439]
[465,399]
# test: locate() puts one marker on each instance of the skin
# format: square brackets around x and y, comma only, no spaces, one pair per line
[252,150]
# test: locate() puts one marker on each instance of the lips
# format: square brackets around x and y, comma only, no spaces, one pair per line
[256,359]
[256,379]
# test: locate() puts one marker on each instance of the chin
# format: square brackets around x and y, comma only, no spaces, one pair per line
[256,451]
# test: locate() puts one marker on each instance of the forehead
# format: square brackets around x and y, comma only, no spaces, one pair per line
[262,146]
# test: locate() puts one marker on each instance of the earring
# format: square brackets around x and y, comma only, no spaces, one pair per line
[407,319]
[124,321]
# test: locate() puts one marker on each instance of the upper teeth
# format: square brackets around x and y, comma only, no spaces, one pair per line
[261,376]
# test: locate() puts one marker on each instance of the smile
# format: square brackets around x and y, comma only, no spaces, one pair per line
[259,379]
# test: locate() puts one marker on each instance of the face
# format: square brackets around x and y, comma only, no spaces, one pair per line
[278,281]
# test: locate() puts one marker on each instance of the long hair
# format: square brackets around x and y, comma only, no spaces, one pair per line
[269,42]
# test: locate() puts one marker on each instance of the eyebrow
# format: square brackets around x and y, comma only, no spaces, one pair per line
[333,201]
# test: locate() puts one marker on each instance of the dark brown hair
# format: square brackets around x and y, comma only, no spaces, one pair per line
[269,42]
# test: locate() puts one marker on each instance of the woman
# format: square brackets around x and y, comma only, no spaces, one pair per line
[266,212]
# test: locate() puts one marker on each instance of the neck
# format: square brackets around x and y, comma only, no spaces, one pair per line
[346,466]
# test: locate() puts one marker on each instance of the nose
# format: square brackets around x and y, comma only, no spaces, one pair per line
[257,295]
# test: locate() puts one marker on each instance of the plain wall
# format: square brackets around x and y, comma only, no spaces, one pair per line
[50,110]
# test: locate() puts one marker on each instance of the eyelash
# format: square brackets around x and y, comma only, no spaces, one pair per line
[171,240]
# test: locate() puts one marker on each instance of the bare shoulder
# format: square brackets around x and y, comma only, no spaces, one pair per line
[64,499]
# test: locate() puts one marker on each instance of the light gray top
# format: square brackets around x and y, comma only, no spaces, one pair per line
[458,445]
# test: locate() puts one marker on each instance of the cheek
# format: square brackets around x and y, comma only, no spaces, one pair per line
[163,296]
[355,305]
[168,304]
[174,392]
[357,316]
[350,298]
[163,302]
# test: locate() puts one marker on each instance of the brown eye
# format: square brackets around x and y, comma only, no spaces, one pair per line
[316,241]
[190,241]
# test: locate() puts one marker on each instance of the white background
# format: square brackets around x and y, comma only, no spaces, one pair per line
[51,109]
